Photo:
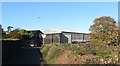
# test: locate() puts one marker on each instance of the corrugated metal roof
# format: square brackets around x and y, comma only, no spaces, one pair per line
[53,31]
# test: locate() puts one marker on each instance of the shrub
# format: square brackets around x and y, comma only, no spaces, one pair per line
[23,32]
[88,53]
[12,35]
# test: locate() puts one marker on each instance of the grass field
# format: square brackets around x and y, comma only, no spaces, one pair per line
[80,54]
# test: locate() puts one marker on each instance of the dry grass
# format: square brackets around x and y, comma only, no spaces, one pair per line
[80,54]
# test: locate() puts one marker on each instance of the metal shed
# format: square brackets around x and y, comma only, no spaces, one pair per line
[55,36]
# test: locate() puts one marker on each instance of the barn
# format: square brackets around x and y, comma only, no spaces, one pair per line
[57,36]
[37,39]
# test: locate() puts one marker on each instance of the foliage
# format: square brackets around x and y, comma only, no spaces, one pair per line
[104,30]
[49,53]
[119,36]
[5,36]
[17,34]
[24,32]
[80,54]
[12,35]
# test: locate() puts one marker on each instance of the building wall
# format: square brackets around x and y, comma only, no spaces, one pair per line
[68,36]
[37,38]
[52,38]
[86,37]
[80,37]
[48,39]
[56,38]
[77,37]
[63,38]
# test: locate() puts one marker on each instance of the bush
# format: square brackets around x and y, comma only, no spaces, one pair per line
[12,35]
[81,53]
[23,32]
[5,36]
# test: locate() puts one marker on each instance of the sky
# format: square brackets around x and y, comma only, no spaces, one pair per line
[60,0]
[72,16]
